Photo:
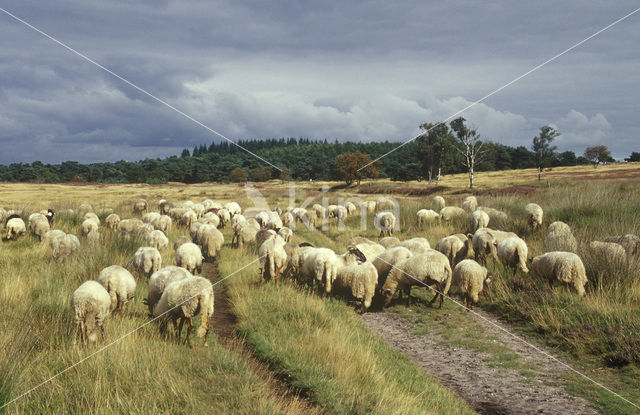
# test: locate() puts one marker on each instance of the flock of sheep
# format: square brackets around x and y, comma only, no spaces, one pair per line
[367,269]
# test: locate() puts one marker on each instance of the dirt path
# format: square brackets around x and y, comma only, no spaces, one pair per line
[291,400]
[486,388]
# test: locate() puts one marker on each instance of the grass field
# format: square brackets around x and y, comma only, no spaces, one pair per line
[318,345]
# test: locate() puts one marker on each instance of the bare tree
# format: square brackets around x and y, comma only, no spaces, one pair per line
[471,145]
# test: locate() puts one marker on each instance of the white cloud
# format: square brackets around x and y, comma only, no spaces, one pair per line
[579,130]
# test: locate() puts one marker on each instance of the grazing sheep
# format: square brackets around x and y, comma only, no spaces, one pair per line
[416,245]
[211,241]
[93,238]
[389,241]
[163,223]
[188,218]
[288,220]
[439,202]
[15,227]
[264,234]
[455,248]
[164,206]
[199,209]
[561,266]
[146,261]
[285,233]
[159,280]
[351,208]
[150,217]
[50,235]
[225,217]
[91,305]
[273,258]
[614,253]
[385,221]
[39,225]
[560,238]
[534,215]
[449,212]
[245,234]
[426,215]
[494,214]
[129,225]
[157,240]
[479,219]
[296,255]
[111,222]
[140,206]
[513,253]
[484,243]
[183,300]
[422,269]
[233,208]
[84,208]
[630,243]
[263,218]
[274,222]
[92,216]
[368,248]
[470,203]
[386,260]
[371,206]
[471,278]
[385,203]
[120,285]
[63,245]
[180,241]
[189,256]
[359,281]
[322,264]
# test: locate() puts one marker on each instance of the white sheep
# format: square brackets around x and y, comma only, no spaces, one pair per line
[273,258]
[288,220]
[274,221]
[224,216]
[120,285]
[359,281]
[322,264]
[447,213]
[188,218]
[157,239]
[159,280]
[211,241]
[63,245]
[494,214]
[180,241]
[455,247]
[513,253]
[163,223]
[84,208]
[263,235]
[129,225]
[93,238]
[296,255]
[534,215]
[285,233]
[385,221]
[389,241]
[199,209]
[351,208]
[426,215]
[140,206]
[431,268]
[484,243]
[613,253]
[150,217]
[91,305]
[416,245]
[386,260]
[182,300]
[471,278]
[245,234]
[470,203]
[368,248]
[263,218]
[146,261]
[15,227]
[164,206]
[479,219]
[111,221]
[39,225]
[49,236]
[630,243]
[566,267]
[189,256]
[92,216]
[233,208]
[371,206]
[439,202]
[560,238]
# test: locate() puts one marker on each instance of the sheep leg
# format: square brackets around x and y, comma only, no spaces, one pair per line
[177,329]
[102,331]
[433,300]
[262,274]
[120,307]
[189,328]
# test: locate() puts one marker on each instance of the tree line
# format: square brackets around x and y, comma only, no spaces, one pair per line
[441,149]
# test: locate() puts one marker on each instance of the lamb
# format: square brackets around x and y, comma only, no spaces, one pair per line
[140,206]
[385,221]
[157,240]
[120,285]
[513,253]
[358,280]
[471,278]
[630,243]
[91,305]
[566,267]
[63,245]
[386,260]
[483,242]
[183,300]
[189,257]
[146,261]
[470,203]
[426,215]
[534,215]
[389,241]
[111,222]
[422,269]
[159,280]
[455,247]
[449,212]
[273,258]
[285,233]
[479,219]
[211,240]
[180,241]
[560,238]
[614,253]
[439,202]
[15,227]
[416,245]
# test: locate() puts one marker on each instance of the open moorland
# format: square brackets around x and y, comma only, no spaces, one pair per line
[293,347]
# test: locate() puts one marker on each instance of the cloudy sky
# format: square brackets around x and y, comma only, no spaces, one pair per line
[358,70]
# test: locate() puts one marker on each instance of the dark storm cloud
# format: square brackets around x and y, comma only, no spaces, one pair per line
[349,70]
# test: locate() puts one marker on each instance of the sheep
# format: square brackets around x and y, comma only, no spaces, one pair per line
[263,218]
[91,305]
[494,214]
[426,215]
[288,220]
[274,221]
[183,300]
[225,216]
[39,225]
[385,203]
[296,255]
[439,202]
[566,267]
[479,219]
[513,253]
[140,206]
[470,203]
[385,261]
[630,243]
[199,209]
[422,269]
[273,258]
[84,208]
[285,233]
[50,235]
[189,256]
[449,212]
[15,227]
[614,253]
[371,206]
[111,222]
[92,216]
[144,230]
[63,245]
[351,208]
[358,280]
[129,225]
[233,208]
[455,247]
[120,285]
[146,261]
[264,234]
[188,218]
[159,280]
[368,248]
[416,245]
[49,215]
[560,238]
[322,264]
[211,241]
[471,278]
[389,241]
[180,241]
[534,215]
[150,217]
[385,221]
[157,240]
[483,243]
[163,223]
[93,237]
[164,206]
[245,234]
